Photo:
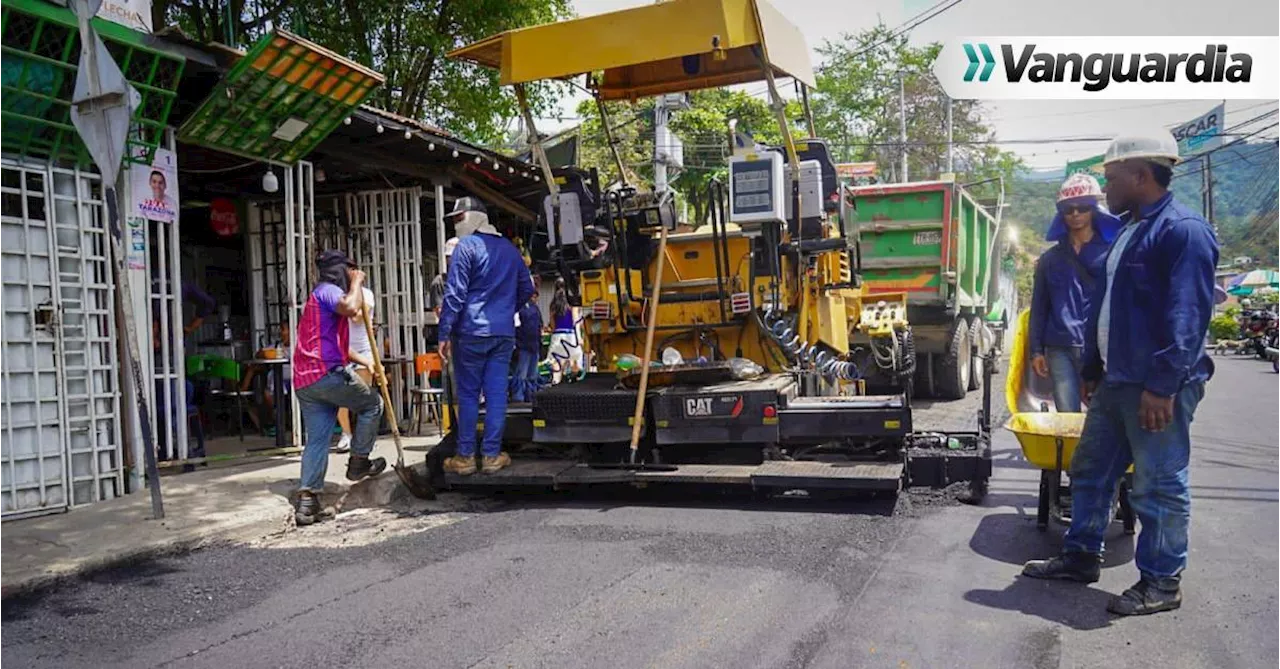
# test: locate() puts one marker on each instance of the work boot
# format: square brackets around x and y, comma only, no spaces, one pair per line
[308,510]
[363,466]
[1079,567]
[491,465]
[461,465]
[1147,596]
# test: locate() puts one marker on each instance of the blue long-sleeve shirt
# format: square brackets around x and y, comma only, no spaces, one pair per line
[487,279]
[1060,301]
[529,333]
[1161,303]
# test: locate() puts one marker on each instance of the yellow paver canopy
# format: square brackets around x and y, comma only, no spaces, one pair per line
[668,47]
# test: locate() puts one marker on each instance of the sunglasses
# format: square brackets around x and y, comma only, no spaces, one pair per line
[1075,209]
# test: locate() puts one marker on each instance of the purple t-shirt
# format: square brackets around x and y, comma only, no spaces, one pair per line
[323,336]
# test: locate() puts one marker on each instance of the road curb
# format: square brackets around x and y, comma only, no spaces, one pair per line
[257,526]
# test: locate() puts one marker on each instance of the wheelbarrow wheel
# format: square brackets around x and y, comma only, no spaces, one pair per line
[1127,516]
[1048,488]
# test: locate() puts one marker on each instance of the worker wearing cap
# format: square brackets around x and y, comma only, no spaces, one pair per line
[487,281]
[1065,278]
[324,381]
[1144,374]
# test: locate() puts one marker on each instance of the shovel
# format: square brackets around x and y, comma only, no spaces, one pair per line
[418,486]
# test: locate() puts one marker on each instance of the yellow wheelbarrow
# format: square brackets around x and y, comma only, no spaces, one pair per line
[1048,438]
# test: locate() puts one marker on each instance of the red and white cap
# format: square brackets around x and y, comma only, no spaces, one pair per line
[1080,185]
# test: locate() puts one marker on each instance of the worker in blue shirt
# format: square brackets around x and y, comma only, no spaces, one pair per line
[487,281]
[525,381]
[1065,279]
[1144,374]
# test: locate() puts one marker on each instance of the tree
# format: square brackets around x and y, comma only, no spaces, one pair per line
[405,40]
[857,105]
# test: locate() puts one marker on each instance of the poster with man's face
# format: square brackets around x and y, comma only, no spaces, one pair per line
[155,187]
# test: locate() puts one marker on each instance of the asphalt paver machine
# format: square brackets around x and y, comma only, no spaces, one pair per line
[763,303]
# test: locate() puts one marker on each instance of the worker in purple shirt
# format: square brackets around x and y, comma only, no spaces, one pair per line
[1145,370]
[487,281]
[1065,278]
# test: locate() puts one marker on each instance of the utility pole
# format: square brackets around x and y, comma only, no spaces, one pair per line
[951,149]
[902,125]
[1208,189]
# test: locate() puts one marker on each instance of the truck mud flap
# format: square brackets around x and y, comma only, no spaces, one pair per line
[820,419]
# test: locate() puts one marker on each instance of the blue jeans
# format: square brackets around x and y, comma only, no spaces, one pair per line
[319,403]
[482,363]
[1064,369]
[524,382]
[1112,440]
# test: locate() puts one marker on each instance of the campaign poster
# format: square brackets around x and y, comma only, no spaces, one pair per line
[155,187]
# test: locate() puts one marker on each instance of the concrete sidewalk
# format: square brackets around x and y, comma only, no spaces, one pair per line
[239,502]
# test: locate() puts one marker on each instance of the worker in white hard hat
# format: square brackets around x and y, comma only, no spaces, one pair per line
[1065,278]
[1145,370]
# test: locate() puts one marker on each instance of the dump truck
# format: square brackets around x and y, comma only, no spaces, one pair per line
[756,313]
[935,242]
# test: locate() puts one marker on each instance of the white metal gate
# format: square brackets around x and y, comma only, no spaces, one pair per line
[61,442]
[386,242]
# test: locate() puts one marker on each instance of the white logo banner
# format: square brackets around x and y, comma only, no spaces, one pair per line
[1110,68]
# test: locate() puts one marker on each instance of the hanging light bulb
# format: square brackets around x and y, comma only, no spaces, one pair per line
[455,153]
[524,174]
[380,129]
[270,183]
[408,134]
[431,146]
[511,170]
[477,160]
[346,121]
[497,166]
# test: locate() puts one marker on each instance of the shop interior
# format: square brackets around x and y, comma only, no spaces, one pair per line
[370,189]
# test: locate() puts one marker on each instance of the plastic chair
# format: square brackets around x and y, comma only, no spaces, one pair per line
[428,397]
[229,372]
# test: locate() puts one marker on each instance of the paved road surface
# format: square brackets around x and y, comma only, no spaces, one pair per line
[558,582]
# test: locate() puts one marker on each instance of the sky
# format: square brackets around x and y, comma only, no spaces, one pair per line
[827,19]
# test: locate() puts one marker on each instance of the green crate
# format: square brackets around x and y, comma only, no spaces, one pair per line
[40,50]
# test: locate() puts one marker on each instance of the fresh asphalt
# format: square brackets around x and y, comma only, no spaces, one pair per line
[564,582]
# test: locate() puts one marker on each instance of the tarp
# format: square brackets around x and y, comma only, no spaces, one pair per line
[667,47]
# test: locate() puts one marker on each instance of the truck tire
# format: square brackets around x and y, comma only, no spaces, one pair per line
[977,354]
[955,367]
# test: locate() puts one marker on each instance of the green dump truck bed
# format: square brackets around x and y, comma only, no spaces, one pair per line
[930,240]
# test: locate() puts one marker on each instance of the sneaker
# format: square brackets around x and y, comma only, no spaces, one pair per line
[462,466]
[1147,596]
[1079,567]
[362,466]
[308,510]
[491,465]
[344,444]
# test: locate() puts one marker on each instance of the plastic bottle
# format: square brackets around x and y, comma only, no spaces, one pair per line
[671,356]
[626,362]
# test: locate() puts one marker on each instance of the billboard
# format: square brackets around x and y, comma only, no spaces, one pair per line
[1091,165]
[856,170]
[1201,133]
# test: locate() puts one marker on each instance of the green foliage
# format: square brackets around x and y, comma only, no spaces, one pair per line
[856,107]
[1224,326]
[405,40]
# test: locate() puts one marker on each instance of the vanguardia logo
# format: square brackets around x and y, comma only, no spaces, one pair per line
[1097,71]
[988,62]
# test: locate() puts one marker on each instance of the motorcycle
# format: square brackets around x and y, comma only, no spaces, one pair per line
[1259,328]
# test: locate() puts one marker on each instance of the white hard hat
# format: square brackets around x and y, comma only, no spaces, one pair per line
[449,246]
[1079,184]
[1156,145]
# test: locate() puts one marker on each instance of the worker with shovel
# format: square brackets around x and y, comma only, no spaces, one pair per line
[487,281]
[324,381]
